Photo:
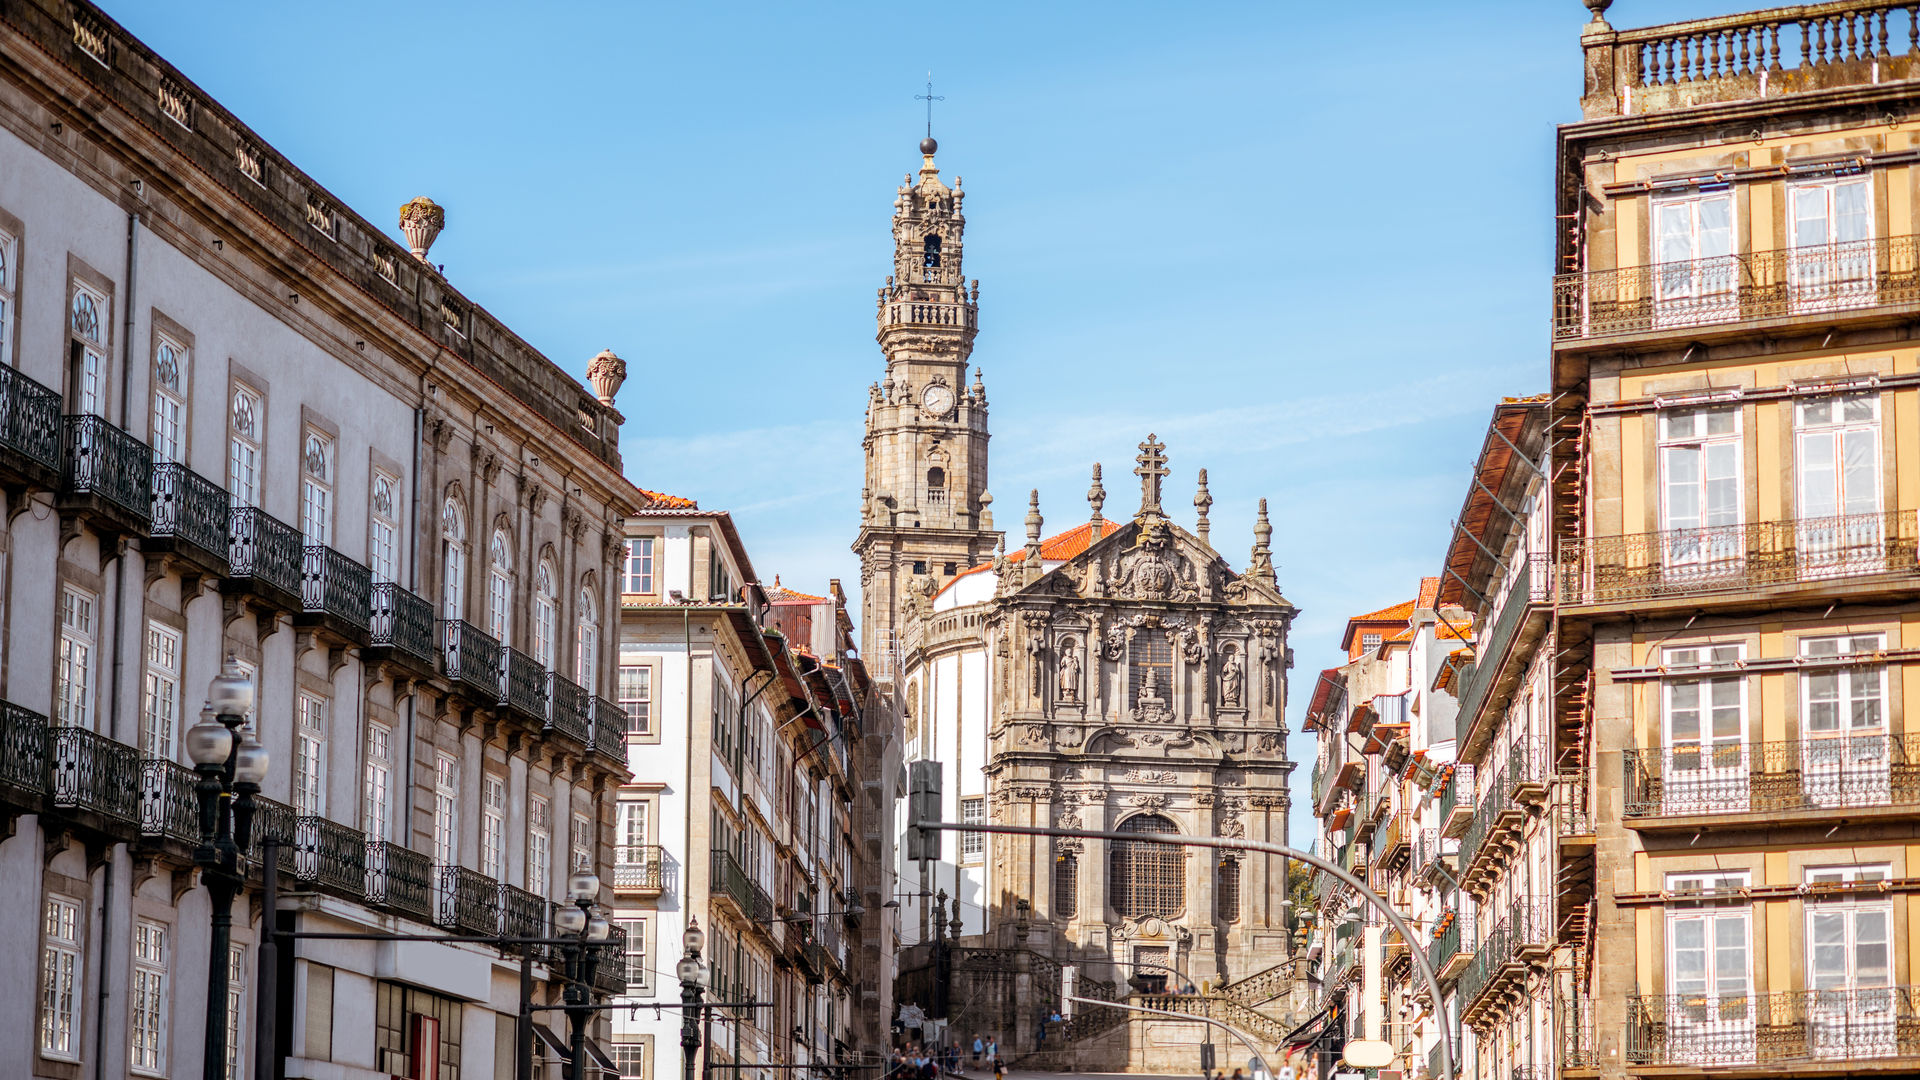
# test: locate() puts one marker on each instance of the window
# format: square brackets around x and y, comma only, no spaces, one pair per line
[1066,886]
[639,975]
[545,614]
[719,578]
[89,322]
[310,757]
[1693,239]
[586,645]
[539,845]
[1708,963]
[635,862]
[930,254]
[446,807]
[1706,733]
[973,845]
[1849,934]
[1147,879]
[723,717]
[1831,232]
[632,1058]
[639,565]
[1700,488]
[636,698]
[243,447]
[453,553]
[1839,528]
[401,1014]
[383,528]
[169,402]
[236,1007]
[499,588]
[1151,672]
[582,842]
[73,697]
[1369,642]
[1846,759]
[1227,899]
[378,811]
[493,827]
[60,983]
[162,698]
[147,1019]
[9,260]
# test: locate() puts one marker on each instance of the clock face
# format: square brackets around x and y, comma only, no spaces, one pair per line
[938,400]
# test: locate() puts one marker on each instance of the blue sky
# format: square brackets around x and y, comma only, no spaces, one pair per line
[1307,244]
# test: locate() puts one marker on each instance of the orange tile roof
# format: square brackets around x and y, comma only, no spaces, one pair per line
[780,594]
[1399,612]
[1066,545]
[661,501]
[1429,592]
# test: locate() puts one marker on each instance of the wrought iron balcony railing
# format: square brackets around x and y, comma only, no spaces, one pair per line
[467,900]
[189,509]
[23,755]
[1444,952]
[1818,280]
[1801,1027]
[1523,936]
[30,422]
[336,587]
[93,773]
[522,914]
[400,879]
[569,708]
[401,621]
[1499,810]
[471,658]
[1530,590]
[610,730]
[729,879]
[638,868]
[169,807]
[523,686]
[1838,772]
[610,975]
[330,856]
[105,463]
[1574,1021]
[265,552]
[1732,558]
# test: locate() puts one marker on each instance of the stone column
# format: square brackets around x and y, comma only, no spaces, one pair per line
[1023,995]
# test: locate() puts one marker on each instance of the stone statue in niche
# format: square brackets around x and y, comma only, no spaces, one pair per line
[1233,679]
[1069,672]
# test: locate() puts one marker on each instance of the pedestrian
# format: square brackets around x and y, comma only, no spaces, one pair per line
[1236,1075]
[999,1069]
[978,1046]
[993,1049]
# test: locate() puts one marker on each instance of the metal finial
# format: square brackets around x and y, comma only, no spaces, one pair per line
[929,97]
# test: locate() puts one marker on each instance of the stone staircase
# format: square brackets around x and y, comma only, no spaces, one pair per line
[1237,1004]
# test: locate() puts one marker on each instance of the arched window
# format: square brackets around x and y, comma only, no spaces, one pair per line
[453,555]
[1148,879]
[930,253]
[1227,894]
[1066,885]
[546,615]
[586,644]
[499,588]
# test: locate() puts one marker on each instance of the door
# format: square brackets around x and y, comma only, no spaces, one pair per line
[1849,966]
[1697,277]
[1839,530]
[1707,770]
[1710,1018]
[1831,264]
[1846,750]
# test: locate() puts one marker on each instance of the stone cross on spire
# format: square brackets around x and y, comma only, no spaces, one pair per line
[1151,470]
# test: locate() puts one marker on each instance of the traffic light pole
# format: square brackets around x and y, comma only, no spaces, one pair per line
[1449,1033]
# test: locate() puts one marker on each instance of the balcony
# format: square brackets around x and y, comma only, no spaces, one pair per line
[922,313]
[1862,552]
[1861,776]
[400,879]
[1452,947]
[522,914]
[523,687]
[467,901]
[106,475]
[1501,815]
[814,962]
[1835,1031]
[1497,977]
[264,558]
[169,806]
[1392,841]
[330,856]
[1456,801]
[730,882]
[610,731]
[29,432]
[569,709]
[96,776]
[638,869]
[473,661]
[336,595]
[1518,622]
[400,628]
[23,757]
[189,518]
[610,967]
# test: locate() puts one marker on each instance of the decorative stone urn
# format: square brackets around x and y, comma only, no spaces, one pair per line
[1599,9]
[606,372]
[421,220]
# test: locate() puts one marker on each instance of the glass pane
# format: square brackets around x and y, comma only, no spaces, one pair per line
[1809,216]
[1818,480]
[1730,955]
[1861,479]
[1676,232]
[1851,219]
[1716,226]
[1683,487]
[1823,701]
[1723,484]
[1870,949]
[1827,950]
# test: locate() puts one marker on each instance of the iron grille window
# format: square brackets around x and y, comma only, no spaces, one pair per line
[1148,879]
[398,1009]
[1066,886]
[1228,898]
[1151,674]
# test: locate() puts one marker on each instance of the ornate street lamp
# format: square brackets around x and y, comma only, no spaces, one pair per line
[693,980]
[231,764]
[589,929]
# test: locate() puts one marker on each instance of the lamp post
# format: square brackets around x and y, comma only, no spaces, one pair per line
[588,929]
[693,976]
[230,763]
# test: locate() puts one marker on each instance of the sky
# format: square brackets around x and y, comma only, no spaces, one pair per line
[1308,245]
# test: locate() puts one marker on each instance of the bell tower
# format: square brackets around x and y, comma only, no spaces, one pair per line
[924,513]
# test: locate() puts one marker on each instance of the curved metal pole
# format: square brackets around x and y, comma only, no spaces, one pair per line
[1230,1029]
[1448,1036]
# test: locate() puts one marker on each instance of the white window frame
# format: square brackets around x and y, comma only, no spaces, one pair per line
[580,839]
[377,812]
[1840,530]
[1830,269]
[383,526]
[1697,277]
[160,711]
[309,794]
[79,636]
[586,643]
[90,322]
[246,421]
[62,978]
[316,487]
[636,698]
[539,845]
[147,1004]
[639,973]
[1704,539]
[236,1009]
[446,809]
[493,826]
[453,553]
[1712,1032]
[1847,762]
[168,431]
[500,588]
[1705,769]
[9,289]
[546,616]
[640,566]
[973,845]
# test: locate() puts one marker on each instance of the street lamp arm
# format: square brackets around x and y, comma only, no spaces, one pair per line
[1449,1034]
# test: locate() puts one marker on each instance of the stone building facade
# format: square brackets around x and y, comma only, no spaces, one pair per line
[1115,676]
[237,420]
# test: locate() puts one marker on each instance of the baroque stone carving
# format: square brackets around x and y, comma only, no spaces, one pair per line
[1152,570]
[1233,679]
[1069,672]
[606,372]
[1148,776]
[1148,802]
[421,221]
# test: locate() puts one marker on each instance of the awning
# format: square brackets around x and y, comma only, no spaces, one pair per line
[601,1058]
[557,1044]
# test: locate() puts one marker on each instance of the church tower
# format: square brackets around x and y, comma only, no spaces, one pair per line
[924,513]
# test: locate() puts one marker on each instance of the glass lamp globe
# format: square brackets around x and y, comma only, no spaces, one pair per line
[231,693]
[598,929]
[209,742]
[695,938]
[250,765]
[689,972]
[583,885]
[569,919]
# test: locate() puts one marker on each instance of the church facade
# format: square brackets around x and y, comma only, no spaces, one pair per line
[1118,676]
